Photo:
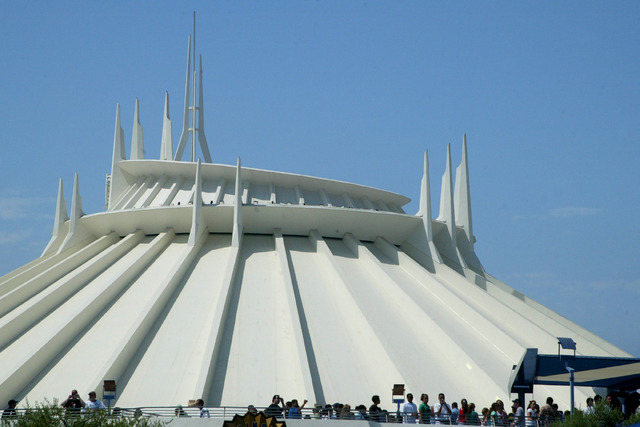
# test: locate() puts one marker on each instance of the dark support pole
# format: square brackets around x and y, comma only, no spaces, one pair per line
[571,386]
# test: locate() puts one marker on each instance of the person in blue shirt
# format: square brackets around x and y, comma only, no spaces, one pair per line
[294,412]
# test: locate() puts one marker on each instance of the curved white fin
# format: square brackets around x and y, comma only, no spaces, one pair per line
[77,231]
[446,241]
[462,202]
[117,183]
[137,140]
[184,136]
[166,148]
[204,147]
[59,227]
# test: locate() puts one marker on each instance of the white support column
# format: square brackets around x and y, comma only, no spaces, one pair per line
[15,323]
[137,139]
[197,222]
[272,190]
[60,230]
[325,198]
[121,352]
[299,195]
[245,193]
[131,191]
[77,231]
[139,192]
[220,191]
[367,203]
[359,328]
[159,184]
[217,321]
[24,285]
[173,190]
[166,148]
[299,327]
[237,209]
[348,200]
[383,206]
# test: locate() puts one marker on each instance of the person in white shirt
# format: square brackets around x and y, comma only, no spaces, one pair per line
[204,412]
[442,410]
[532,415]
[589,409]
[93,403]
[518,414]
[409,410]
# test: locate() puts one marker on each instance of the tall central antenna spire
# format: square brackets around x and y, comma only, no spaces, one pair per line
[193,108]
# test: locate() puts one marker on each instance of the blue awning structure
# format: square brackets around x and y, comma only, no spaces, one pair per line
[613,373]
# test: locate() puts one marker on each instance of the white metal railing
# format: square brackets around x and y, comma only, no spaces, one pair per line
[329,414]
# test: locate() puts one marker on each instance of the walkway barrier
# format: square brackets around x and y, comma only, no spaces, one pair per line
[228,412]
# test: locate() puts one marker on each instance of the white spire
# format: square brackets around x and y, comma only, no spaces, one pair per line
[137,140]
[446,197]
[58,223]
[119,152]
[462,201]
[204,147]
[187,106]
[76,202]
[166,148]
[117,182]
[425,208]
[77,231]
[195,108]
[462,198]
[448,245]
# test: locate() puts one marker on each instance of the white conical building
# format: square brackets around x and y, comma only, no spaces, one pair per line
[232,284]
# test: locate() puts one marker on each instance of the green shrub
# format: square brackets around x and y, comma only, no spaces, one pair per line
[603,416]
[49,414]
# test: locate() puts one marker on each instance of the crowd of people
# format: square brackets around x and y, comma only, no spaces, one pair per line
[408,412]
[441,412]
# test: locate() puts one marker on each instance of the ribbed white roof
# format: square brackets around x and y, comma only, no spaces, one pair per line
[233,284]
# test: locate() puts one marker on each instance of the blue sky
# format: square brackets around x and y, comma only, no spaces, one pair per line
[547,93]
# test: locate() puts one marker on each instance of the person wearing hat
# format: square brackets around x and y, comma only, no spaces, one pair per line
[93,403]
[518,414]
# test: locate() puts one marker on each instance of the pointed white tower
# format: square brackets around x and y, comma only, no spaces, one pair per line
[77,230]
[462,202]
[446,241]
[192,109]
[117,183]
[59,227]
[166,148]
[137,140]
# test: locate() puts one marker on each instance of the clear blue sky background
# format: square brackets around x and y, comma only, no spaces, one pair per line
[547,92]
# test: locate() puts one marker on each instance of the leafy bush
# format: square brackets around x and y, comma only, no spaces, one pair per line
[603,416]
[50,414]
